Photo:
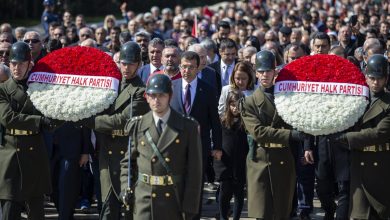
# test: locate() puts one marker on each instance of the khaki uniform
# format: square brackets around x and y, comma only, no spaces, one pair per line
[24,163]
[370,162]
[110,136]
[180,146]
[270,163]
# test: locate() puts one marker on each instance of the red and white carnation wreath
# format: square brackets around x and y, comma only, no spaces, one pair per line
[74,83]
[321,94]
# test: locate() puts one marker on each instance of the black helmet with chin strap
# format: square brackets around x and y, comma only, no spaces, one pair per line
[20,52]
[130,53]
[159,83]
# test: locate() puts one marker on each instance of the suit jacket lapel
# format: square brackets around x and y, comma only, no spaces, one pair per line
[123,96]
[170,132]
[149,125]
[198,95]
[373,111]
[179,94]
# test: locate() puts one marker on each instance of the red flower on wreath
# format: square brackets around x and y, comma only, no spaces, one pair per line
[85,61]
[322,68]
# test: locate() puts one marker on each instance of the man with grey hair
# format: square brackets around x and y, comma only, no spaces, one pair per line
[205,72]
[296,35]
[155,49]
[5,48]
[33,39]
[5,74]
[20,32]
[142,38]
[89,43]
[84,34]
[211,49]
[247,53]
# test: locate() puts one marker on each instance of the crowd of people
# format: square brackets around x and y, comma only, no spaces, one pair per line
[213,59]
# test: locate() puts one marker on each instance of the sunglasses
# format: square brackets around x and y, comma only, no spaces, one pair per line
[32,41]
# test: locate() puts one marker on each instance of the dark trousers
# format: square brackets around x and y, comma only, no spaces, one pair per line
[96,181]
[66,186]
[228,189]
[111,209]
[12,210]
[305,186]
[326,194]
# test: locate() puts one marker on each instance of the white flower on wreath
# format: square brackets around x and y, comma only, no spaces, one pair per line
[320,114]
[68,102]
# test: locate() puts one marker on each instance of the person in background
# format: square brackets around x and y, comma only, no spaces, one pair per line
[48,15]
[242,79]
[230,170]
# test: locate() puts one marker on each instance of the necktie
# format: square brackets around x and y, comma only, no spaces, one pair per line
[159,126]
[156,70]
[226,76]
[187,99]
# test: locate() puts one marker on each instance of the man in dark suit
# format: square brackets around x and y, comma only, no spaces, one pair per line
[194,97]
[224,67]
[205,73]
[71,148]
[155,49]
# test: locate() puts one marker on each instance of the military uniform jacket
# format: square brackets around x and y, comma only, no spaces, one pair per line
[370,176]
[24,163]
[270,165]
[181,148]
[110,135]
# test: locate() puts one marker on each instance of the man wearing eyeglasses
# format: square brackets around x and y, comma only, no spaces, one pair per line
[33,39]
[196,98]
[5,47]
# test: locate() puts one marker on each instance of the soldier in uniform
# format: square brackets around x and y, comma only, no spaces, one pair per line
[370,148]
[167,154]
[24,163]
[109,128]
[270,162]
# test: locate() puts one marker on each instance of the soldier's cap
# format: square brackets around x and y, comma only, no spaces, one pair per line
[285,30]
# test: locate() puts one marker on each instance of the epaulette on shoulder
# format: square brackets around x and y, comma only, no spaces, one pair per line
[136,118]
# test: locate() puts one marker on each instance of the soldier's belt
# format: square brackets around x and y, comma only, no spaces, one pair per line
[120,133]
[20,132]
[270,145]
[377,148]
[155,180]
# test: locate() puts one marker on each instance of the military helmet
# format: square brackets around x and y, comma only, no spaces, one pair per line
[159,83]
[130,53]
[265,61]
[377,66]
[20,52]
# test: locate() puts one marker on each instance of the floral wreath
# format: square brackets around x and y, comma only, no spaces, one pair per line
[321,94]
[74,83]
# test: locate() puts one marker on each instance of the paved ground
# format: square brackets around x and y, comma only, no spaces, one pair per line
[209,212]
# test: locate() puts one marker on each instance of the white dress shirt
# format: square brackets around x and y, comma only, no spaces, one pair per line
[225,78]
[153,68]
[164,119]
